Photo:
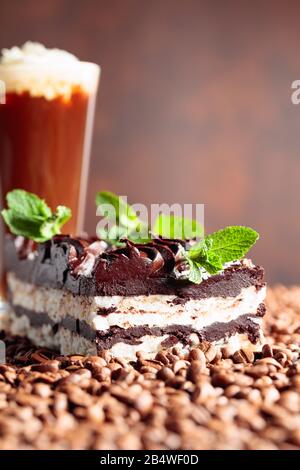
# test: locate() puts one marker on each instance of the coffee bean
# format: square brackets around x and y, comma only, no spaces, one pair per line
[232,391]
[267,350]
[95,413]
[179,365]
[196,355]
[270,394]
[165,374]
[295,382]
[94,361]
[243,357]
[149,364]
[196,368]
[196,400]
[119,374]
[144,403]
[257,371]
[211,353]
[162,358]
[227,351]
[38,356]
[47,366]
[148,369]
[10,376]
[239,358]
[222,379]
[281,357]
[77,396]
[242,380]
[269,361]
[290,400]
[41,389]
[103,375]
[84,373]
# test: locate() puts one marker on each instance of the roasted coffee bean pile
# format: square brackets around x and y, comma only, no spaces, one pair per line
[207,400]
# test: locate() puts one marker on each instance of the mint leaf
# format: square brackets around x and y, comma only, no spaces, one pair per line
[51,226]
[198,252]
[201,254]
[61,216]
[123,212]
[212,265]
[194,272]
[176,227]
[231,243]
[20,225]
[127,223]
[27,204]
[30,216]
[223,246]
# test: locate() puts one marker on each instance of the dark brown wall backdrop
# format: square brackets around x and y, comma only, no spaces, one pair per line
[194,106]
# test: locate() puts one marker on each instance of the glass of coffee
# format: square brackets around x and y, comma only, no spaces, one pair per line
[46,126]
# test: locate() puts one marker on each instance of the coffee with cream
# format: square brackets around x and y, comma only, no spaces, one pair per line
[46,125]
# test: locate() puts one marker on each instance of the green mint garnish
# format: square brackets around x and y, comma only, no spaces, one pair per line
[125,215]
[31,217]
[223,246]
[127,223]
[210,254]
[195,275]
[175,227]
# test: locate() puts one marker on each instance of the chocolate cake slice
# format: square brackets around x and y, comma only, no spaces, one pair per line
[81,297]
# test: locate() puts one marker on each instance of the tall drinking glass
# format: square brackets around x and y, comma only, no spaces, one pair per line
[45,132]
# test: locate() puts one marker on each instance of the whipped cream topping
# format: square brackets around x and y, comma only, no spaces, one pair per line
[36,53]
[48,73]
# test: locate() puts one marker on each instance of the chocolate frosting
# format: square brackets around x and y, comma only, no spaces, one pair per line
[89,267]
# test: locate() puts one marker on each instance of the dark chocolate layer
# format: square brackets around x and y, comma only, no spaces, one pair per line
[106,339]
[89,269]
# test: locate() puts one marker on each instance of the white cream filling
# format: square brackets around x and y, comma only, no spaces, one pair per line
[49,73]
[40,336]
[152,310]
[71,343]
[199,313]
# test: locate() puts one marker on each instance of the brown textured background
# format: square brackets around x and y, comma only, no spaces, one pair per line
[194,106]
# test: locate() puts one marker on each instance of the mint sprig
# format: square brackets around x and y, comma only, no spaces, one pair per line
[31,217]
[223,246]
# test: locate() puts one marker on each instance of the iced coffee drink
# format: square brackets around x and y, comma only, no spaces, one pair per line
[46,125]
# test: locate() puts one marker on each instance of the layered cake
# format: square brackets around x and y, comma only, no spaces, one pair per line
[82,297]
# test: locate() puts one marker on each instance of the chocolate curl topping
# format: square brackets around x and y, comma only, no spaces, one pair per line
[88,257]
[86,261]
[151,255]
[137,260]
